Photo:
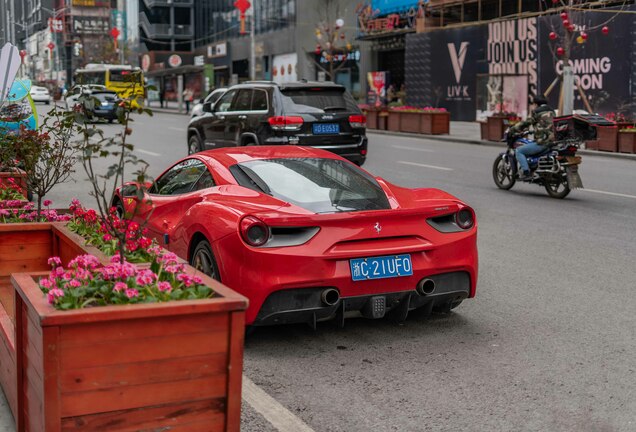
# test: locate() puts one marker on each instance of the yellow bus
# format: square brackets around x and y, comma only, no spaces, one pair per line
[126,81]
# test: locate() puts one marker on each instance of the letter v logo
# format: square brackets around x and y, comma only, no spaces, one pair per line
[457,58]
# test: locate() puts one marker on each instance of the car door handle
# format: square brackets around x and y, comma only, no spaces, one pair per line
[242,117]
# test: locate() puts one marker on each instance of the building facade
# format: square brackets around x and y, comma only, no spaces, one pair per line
[283,46]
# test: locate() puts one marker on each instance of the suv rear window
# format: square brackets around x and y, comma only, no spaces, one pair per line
[318,100]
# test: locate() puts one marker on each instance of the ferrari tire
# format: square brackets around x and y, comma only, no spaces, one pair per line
[503,176]
[204,261]
[194,145]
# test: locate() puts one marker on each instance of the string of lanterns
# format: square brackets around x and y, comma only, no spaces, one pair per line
[571,28]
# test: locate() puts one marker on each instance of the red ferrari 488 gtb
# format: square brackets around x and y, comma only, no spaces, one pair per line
[308,236]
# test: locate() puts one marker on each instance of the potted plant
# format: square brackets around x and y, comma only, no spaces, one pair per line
[627,140]
[427,120]
[109,356]
[498,123]
[607,137]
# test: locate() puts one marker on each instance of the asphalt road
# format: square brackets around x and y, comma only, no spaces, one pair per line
[547,344]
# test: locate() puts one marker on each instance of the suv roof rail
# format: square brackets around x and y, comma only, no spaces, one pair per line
[259,82]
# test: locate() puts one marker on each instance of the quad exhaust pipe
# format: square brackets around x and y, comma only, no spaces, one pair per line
[425,287]
[330,296]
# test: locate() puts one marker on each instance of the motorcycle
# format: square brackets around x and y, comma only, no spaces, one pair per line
[556,168]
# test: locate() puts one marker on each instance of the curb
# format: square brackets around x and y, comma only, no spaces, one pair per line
[462,140]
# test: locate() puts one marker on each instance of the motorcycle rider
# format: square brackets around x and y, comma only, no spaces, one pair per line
[543,129]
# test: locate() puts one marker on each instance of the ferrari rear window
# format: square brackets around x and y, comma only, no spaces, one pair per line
[318,185]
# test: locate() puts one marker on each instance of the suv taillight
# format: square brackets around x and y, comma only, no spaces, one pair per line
[358,121]
[286,123]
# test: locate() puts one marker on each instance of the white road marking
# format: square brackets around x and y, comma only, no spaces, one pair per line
[180,129]
[425,166]
[413,148]
[148,152]
[609,193]
[279,416]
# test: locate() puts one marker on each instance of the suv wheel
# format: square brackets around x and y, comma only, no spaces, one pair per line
[194,145]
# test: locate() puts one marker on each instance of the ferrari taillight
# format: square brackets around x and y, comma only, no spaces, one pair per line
[286,123]
[358,121]
[254,231]
[465,218]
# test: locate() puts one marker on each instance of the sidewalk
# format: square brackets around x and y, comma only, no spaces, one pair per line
[460,132]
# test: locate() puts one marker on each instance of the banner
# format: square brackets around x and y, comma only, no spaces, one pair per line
[378,83]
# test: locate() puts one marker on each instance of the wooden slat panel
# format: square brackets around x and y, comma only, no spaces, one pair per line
[7,297]
[119,352]
[236,338]
[33,409]
[134,329]
[37,264]
[209,412]
[200,427]
[24,236]
[169,370]
[7,362]
[120,398]
[51,369]
[22,251]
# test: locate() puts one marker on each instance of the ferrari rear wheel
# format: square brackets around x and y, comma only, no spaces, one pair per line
[203,260]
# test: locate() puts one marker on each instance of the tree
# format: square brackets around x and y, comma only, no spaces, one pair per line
[567,36]
[332,47]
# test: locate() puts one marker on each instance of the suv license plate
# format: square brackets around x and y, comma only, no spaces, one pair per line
[326,128]
[381,267]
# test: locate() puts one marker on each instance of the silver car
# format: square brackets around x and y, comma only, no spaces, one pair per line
[197,110]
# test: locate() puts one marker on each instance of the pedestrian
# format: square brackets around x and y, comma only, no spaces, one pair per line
[188,96]
[162,95]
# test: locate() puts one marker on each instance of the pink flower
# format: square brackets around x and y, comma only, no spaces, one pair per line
[47,203]
[45,283]
[164,286]
[130,293]
[145,277]
[107,237]
[75,283]
[54,294]
[120,286]
[55,261]
[186,279]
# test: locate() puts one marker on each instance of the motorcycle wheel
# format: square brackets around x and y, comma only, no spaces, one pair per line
[503,176]
[558,187]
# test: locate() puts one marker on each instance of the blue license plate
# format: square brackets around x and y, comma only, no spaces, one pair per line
[326,128]
[381,267]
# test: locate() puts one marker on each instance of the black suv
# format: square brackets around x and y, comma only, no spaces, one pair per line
[317,114]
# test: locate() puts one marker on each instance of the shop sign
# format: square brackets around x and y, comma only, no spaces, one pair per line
[353,56]
[90,3]
[145,62]
[218,50]
[284,68]
[199,60]
[90,25]
[388,6]
[372,21]
[56,25]
[174,60]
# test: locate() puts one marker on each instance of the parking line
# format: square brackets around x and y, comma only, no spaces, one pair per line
[609,193]
[279,416]
[425,166]
[148,152]
[180,129]
[414,149]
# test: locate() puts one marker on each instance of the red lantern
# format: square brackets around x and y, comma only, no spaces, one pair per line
[318,50]
[564,15]
[560,51]
[566,23]
[571,27]
[584,35]
[242,6]
[605,30]
[553,36]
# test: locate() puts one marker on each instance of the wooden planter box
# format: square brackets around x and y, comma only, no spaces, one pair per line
[372,119]
[436,123]
[383,119]
[409,121]
[26,247]
[148,366]
[607,137]
[591,145]
[483,130]
[393,121]
[627,142]
[496,127]
[18,175]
